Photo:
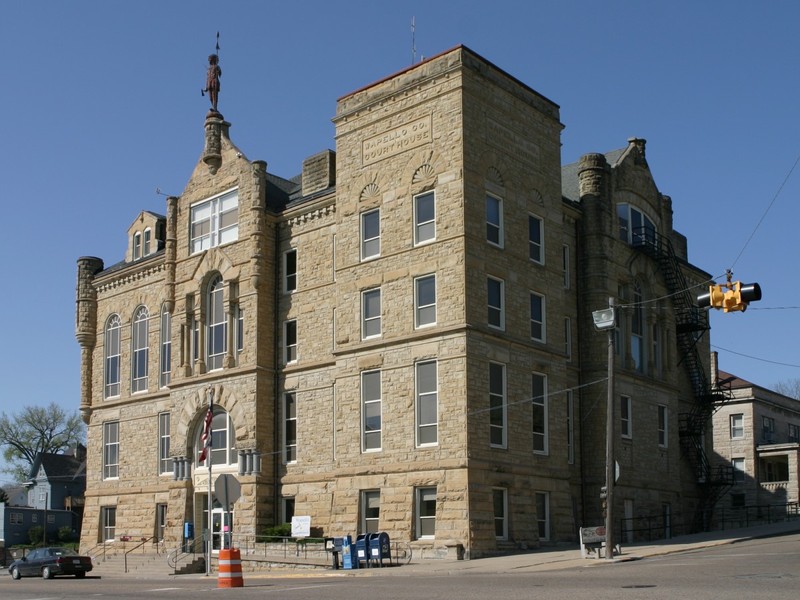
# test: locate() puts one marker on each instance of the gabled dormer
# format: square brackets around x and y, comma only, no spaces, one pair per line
[146,236]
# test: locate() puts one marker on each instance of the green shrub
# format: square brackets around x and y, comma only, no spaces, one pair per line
[66,534]
[36,534]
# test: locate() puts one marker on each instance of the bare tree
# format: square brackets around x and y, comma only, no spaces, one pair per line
[790,387]
[37,429]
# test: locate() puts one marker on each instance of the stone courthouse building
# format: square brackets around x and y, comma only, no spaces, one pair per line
[400,338]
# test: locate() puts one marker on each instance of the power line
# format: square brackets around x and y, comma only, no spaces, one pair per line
[773,362]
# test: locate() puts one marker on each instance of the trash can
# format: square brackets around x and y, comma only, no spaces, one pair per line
[380,548]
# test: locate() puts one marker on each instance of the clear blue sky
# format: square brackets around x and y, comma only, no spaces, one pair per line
[101,105]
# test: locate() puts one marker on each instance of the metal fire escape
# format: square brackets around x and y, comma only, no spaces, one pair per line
[691,324]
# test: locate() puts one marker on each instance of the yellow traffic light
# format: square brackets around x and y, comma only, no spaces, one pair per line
[731,296]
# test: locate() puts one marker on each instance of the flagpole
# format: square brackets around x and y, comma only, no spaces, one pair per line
[210,392]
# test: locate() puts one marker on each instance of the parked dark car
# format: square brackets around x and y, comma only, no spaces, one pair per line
[49,562]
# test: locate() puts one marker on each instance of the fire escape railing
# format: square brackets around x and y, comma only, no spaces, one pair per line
[691,323]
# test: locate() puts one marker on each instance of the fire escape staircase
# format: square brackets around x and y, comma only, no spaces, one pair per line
[691,324]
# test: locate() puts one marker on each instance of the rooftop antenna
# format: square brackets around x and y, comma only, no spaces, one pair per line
[413,41]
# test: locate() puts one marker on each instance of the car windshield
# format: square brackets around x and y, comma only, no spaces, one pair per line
[62,552]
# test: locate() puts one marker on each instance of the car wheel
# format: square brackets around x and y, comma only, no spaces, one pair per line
[46,573]
[15,574]
[80,574]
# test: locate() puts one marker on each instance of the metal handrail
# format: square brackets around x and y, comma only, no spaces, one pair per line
[140,545]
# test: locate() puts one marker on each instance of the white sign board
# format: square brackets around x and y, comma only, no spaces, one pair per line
[301,526]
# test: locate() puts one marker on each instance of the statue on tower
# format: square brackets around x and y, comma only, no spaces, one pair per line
[212,80]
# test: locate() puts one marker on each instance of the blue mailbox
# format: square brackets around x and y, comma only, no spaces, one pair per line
[349,558]
[380,548]
[362,548]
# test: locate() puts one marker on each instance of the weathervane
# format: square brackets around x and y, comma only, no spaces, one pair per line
[212,77]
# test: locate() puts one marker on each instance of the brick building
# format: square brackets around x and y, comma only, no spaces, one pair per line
[400,338]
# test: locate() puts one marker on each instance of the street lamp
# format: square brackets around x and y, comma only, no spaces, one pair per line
[605,320]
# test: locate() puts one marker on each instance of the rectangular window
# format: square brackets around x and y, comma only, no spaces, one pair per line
[539,413]
[494,220]
[425,301]
[371,410]
[663,425]
[290,271]
[161,521]
[214,222]
[141,351]
[147,236]
[542,500]
[426,512]
[370,313]
[570,428]
[370,511]
[239,330]
[290,341]
[655,348]
[495,299]
[111,450]
[427,403]
[370,234]
[794,433]
[137,246]
[625,416]
[424,218]
[536,239]
[112,356]
[500,504]
[537,317]
[767,430]
[637,330]
[289,428]
[568,338]
[164,460]
[165,370]
[15,518]
[287,508]
[497,405]
[737,426]
[565,266]
[738,469]
[108,523]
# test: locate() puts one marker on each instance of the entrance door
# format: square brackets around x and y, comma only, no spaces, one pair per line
[221,528]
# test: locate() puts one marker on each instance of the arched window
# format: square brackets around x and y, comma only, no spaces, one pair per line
[222,440]
[141,351]
[137,246]
[148,233]
[112,355]
[217,324]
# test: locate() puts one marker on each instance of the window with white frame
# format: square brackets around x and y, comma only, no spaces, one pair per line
[635,227]
[289,428]
[239,330]
[108,523]
[427,403]
[370,511]
[371,410]
[494,220]
[111,450]
[148,234]
[214,222]
[565,266]
[370,234]
[290,271]
[542,501]
[497,405]
[663,425]
[112,356]
[637,330]
[737,426]
[370,313]
[425,500]
[15,518]
[165,360]
[290,341]
[164,460]
[570,428]
[216,325]
[626,426]
[536,239]
[738,469]
[425,301]
[539,413]
[223,438]
[538,331]
[424,218]
[141,350]
[137,245]
[500,505]
[495,300]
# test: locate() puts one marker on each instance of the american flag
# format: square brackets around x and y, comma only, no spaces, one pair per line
[206,439]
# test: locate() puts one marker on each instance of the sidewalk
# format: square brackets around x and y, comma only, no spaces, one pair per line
[548,560]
